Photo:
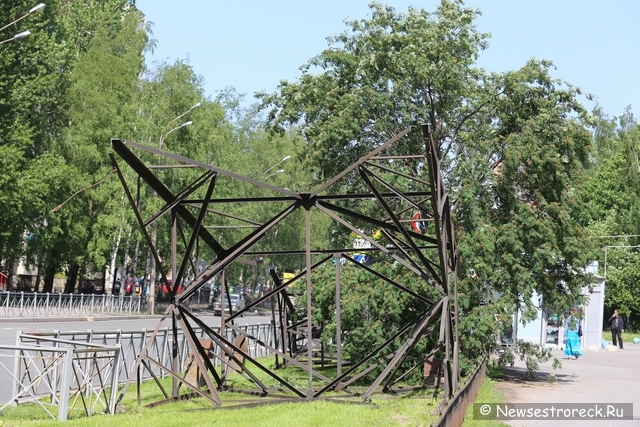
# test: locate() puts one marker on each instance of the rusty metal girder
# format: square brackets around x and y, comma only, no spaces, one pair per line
[439,273]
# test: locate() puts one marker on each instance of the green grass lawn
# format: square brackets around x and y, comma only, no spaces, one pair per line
[627,337]
[392,412]
[489,393]
[413,410]
[405,409]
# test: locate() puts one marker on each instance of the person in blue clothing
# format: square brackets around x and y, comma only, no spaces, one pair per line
[573,332]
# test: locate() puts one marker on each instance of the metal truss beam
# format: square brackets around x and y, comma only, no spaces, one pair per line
[413,250]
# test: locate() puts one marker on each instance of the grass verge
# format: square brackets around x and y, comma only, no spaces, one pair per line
[488,393]
[406,409]
[627,337]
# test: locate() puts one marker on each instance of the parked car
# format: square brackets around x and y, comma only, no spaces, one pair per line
[238,303]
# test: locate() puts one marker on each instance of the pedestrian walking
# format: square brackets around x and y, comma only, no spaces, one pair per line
[573,332]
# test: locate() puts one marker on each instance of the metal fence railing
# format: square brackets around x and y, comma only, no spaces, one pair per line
[452,415]
[81,370]
[35,304]
[132,342]
[70,376]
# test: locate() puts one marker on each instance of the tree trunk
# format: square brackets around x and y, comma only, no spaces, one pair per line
[49,275]
[72,277]
[152,273]
[136,254]
[126,259]
[10,275]
[39,273]
[110,273]
[255,274]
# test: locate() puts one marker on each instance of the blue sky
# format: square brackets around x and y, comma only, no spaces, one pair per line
[253,44]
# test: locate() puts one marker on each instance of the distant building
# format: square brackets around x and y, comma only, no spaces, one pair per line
[548,329]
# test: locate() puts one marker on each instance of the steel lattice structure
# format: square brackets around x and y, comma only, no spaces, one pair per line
[428,253]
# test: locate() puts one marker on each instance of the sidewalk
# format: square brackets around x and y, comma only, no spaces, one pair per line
[596,377]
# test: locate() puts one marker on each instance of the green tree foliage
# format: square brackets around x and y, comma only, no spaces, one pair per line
[79,81]
[168,94]
[102,100]
[623,283]
[611,196]
[275,159]
[380,76]
[29,119]
[513,148]
[61,87]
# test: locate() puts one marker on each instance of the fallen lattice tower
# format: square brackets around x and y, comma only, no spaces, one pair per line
[428,252]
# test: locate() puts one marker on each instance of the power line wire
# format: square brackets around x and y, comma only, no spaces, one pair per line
[80,191]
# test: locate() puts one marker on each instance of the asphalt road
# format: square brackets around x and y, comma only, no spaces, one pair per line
[8,330]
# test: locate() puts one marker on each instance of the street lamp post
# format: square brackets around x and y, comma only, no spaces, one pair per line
[283,160]
[23,34]
[17,37]
[185,113]
[275,173]
[154,227]
[162,137]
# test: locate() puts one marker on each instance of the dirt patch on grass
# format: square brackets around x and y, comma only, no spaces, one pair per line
[403,420]
[517,388]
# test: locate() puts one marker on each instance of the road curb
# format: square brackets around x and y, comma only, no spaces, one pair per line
[6,320]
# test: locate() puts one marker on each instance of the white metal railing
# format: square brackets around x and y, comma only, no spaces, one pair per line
[76,370]
[36,304]
[64,374]
[132,342]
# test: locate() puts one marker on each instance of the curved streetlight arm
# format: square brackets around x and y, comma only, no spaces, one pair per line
[34,9]
[162,137]
[275,173]
[17,37]
[185,113]
[185,124]
[283,160]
